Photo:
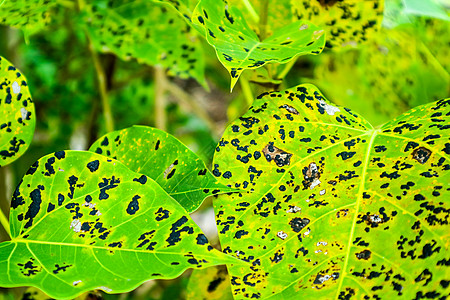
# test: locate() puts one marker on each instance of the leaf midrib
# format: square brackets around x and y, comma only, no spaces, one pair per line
[355,217]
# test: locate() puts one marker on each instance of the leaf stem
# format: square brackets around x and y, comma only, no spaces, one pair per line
[286,69]
[107,113]
[160,101]
[435,62]
[251,10]
[263,14]
[247,90]
[193,106]
[5,223]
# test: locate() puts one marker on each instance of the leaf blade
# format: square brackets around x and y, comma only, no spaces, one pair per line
[318,218]
[18,114]
[165,159]
[105,219]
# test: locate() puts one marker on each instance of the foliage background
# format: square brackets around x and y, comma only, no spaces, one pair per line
[405,65]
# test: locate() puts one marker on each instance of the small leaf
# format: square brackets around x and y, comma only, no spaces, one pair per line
[80,221]
[153,33]
[335,208]
[209,284]
[239,48]
[347,22]
[160,156]
[17,110]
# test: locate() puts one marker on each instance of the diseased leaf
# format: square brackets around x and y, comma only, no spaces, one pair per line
[152,32]
[412,82]
[239,48]
[346,22]
[80,221]
[157,154]
[28,15]
[17,120]
[209,284]
[335,208]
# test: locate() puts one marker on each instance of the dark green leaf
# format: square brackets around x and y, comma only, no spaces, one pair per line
[153,33]
[17,120]
[150,151]
[80,221]
[335,208]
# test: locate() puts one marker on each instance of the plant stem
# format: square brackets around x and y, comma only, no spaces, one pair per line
[432,59]
[160,101]
[193,106]
[251,11]
[263,14]
[4,200]
[107,114]
[286,69]
[247,90]
[5,223]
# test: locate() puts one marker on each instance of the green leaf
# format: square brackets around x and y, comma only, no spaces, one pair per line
[160,156]
[209,284]
[80,221]
[239,48]
[346,22]
[427,8]
[153,33]
[279,13]
[17,110]
[28,15]
[335,208]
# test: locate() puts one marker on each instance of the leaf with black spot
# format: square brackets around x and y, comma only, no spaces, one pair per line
[18,119]
[162,157]
[342,217]
[106,222]
[239,48]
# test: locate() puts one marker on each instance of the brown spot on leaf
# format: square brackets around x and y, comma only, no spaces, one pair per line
[281,157]
[421,154]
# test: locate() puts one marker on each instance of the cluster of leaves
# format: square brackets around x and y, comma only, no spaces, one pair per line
[311,199]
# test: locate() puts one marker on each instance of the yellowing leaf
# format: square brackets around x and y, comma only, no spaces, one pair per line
[209,284]
[335,208]
[347,22]
[17,120]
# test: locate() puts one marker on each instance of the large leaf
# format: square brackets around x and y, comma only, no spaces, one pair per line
[17,120]
[347,22]
[80,221]
[335,208]
[160,156]
[153,33]
[239,48]
[28,15]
